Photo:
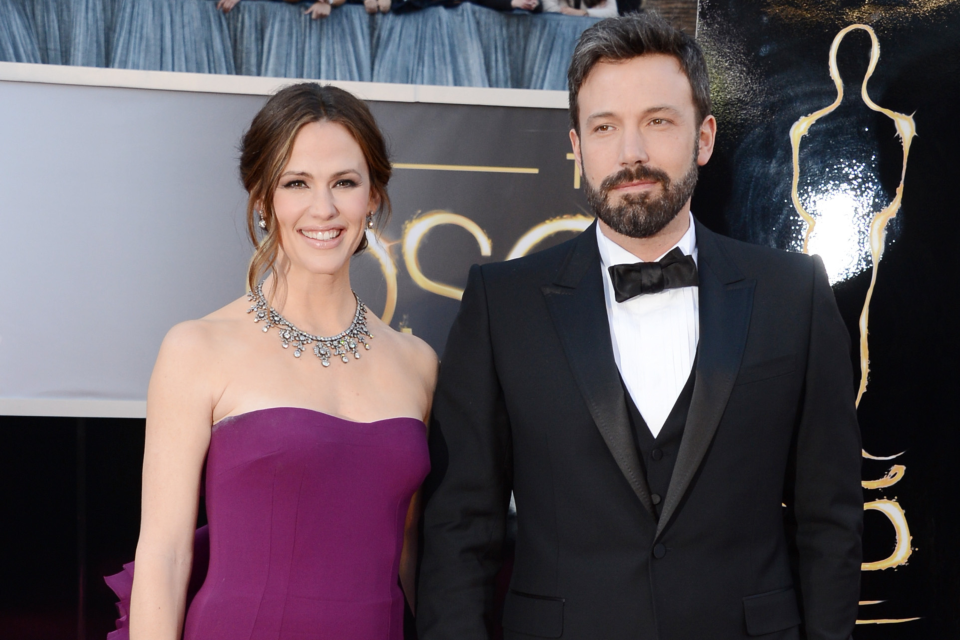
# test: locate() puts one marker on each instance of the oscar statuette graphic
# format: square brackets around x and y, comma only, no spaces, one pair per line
[875,230]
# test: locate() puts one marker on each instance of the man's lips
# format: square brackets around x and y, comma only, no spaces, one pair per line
[635,184]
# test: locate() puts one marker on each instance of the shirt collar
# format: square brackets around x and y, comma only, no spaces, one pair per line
[613,254]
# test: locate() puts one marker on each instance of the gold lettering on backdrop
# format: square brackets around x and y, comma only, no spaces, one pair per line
[382,253]
[413,234]
[894,475]
[906,130]
[544,230]
[576,170]
[902,550]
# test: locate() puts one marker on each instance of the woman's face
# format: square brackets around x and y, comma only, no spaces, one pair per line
[322,199]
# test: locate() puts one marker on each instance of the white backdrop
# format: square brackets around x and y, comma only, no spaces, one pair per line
[113,230]
[122,213]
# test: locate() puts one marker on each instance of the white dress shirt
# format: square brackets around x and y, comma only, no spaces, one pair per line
[654,335]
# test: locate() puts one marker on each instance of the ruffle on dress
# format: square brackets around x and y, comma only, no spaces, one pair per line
[122,583]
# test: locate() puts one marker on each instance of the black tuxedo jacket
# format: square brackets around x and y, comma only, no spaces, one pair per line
[759,534]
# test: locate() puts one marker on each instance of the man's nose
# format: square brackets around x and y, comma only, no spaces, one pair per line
[633,149]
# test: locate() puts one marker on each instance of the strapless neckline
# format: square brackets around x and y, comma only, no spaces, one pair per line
[253,412]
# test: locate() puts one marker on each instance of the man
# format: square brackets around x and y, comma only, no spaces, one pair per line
[679,433]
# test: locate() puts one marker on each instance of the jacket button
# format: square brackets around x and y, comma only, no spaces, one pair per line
[655,498]
[659,551]
[656,454]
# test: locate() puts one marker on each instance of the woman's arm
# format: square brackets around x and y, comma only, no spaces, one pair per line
[179,410]
[427,366]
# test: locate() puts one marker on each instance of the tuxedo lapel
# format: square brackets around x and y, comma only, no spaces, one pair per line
[578,309]
[726,302]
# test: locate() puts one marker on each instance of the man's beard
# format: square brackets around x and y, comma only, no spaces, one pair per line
[641,215]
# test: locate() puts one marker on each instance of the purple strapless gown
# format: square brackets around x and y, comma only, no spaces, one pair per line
[306,517]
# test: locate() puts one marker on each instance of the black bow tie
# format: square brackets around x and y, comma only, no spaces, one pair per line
[673,271]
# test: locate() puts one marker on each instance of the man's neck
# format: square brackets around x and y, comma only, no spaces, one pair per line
[649,249]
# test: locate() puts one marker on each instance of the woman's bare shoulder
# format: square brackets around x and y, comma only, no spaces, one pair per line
[413,350]
[195,339]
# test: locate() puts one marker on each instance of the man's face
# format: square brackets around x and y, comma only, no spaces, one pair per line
[640,145]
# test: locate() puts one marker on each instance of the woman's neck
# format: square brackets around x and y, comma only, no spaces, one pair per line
[321,304]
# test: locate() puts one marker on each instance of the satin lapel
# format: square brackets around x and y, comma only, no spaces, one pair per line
[577,306]
[726,302]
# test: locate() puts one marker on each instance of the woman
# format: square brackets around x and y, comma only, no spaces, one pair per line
[311,447]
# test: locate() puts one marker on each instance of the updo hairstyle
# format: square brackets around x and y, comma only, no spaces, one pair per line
[266,148]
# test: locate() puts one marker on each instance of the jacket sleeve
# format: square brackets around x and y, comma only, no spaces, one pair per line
[827,499]
[497,5]
[608,10]
[467,493]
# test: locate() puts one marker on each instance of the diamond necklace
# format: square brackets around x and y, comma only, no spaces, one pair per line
[348,341]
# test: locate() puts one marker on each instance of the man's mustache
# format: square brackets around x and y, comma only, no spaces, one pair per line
[634,174]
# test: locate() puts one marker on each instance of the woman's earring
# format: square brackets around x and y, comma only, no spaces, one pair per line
[263,221]
[370,220]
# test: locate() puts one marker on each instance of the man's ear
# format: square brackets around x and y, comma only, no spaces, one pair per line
[708,135]
[575,143]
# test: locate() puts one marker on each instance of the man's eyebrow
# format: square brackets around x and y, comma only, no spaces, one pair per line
[661,108]
[600,114]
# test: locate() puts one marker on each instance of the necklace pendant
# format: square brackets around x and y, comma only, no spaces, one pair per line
[340,345]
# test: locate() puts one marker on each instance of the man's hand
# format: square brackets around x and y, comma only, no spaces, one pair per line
[226,5]
[526,5]
[318,10]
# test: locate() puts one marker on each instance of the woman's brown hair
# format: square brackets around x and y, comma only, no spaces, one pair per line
[265,151]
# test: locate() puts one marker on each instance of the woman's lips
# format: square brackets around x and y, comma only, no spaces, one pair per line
[328,234]
[322,238]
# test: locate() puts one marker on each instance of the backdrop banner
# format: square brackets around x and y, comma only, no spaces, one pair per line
[124,215]
[838,136]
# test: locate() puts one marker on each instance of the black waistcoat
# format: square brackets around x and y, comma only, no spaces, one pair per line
[658,455]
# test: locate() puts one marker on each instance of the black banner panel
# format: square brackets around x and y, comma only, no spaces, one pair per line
[838,136]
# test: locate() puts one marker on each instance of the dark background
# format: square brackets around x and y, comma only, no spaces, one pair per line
[769,64]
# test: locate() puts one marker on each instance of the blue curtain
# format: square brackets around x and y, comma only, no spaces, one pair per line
[549,42]
[276,39]
[171,35]
[467,45]
[18,37]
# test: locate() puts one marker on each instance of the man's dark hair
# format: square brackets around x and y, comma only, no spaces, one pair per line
[627,37]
